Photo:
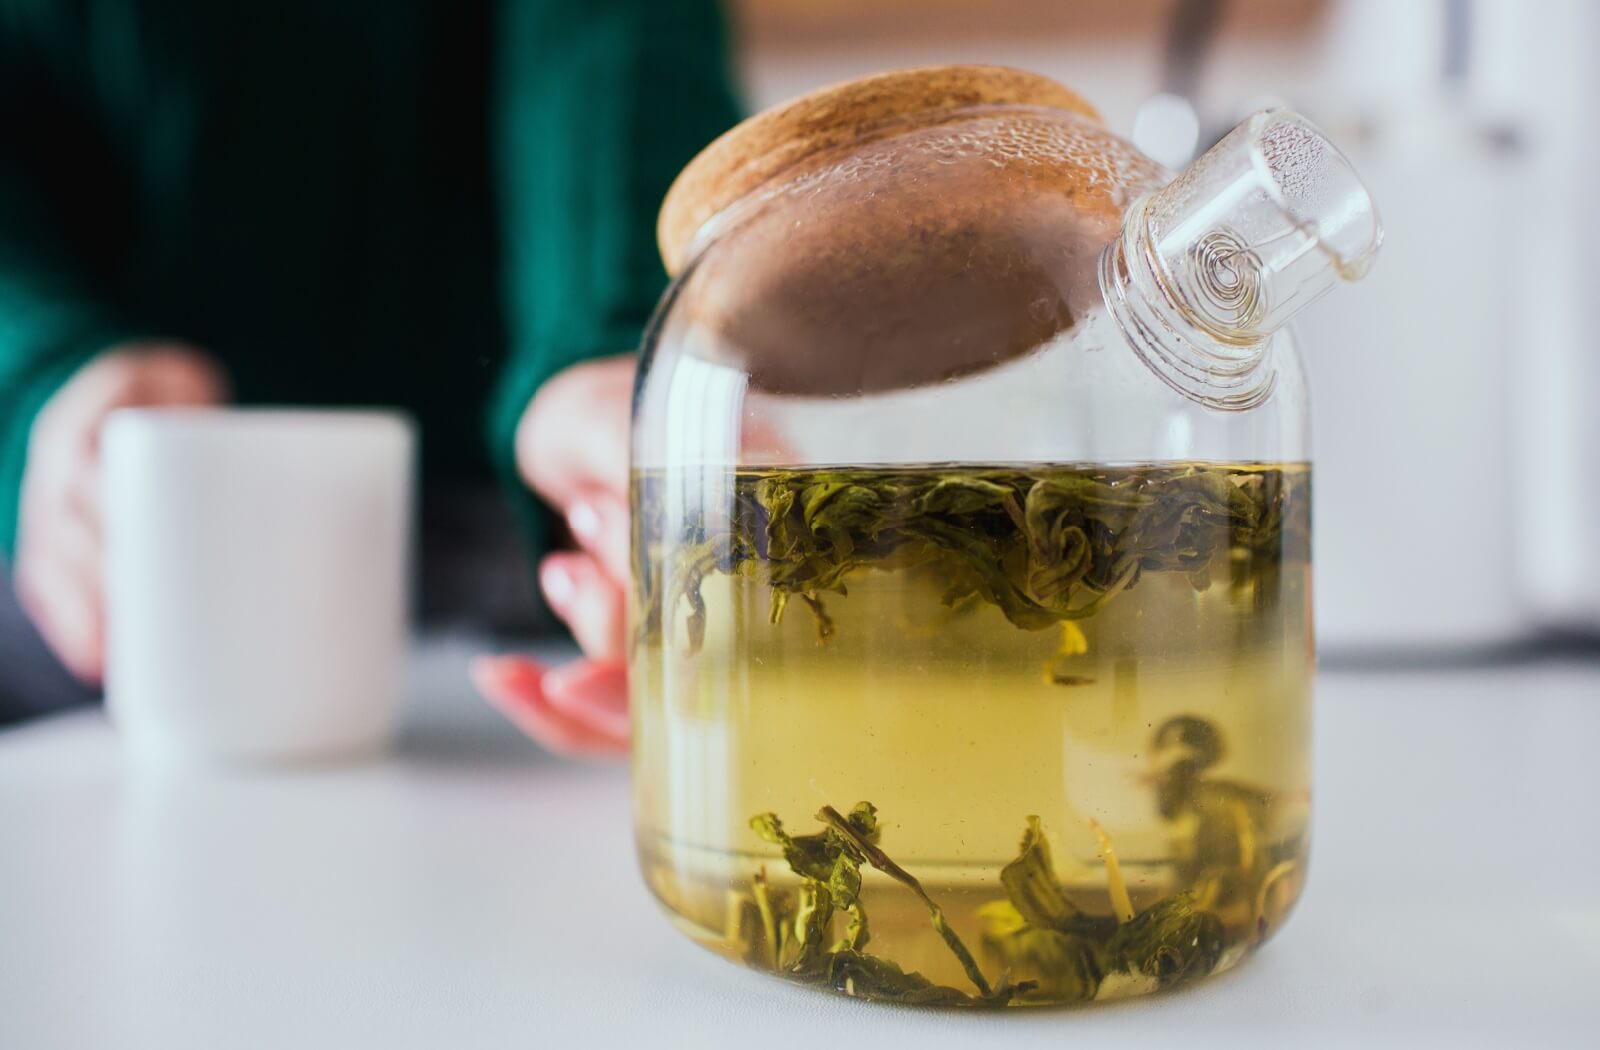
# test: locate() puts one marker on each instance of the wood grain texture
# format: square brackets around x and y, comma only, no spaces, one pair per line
[781,137]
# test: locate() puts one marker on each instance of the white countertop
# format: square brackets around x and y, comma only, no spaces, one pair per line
[471,892]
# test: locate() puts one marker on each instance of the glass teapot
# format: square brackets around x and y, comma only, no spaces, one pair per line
[971,633]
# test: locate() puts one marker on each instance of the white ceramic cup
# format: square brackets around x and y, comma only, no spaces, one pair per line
[257,580]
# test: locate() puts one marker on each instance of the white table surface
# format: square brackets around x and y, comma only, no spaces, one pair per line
[470,892]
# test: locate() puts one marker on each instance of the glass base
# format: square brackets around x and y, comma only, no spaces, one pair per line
[1175,937]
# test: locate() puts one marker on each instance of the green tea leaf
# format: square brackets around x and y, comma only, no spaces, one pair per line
[813,916]
[1037,931]
[1061,967]
[1198,736]
[812,856]
[869,851]
[1030,883]
[1170,941]
[1044,546]
[856,935]
[844,883]
[869,977]
[960,495]
[829,866]
[864,820]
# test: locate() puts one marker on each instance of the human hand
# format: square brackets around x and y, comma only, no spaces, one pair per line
[572,448]
[57,572]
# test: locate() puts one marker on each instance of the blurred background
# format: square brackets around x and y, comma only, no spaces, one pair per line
[1454,439]
[1454,433]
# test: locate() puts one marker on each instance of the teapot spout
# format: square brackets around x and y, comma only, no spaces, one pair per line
[1254,231]
[1260,226]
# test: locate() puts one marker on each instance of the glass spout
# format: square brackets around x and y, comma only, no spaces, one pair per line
[1260,226]
[1250,234]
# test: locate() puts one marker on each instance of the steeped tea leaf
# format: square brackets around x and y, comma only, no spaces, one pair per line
[810,855]
[1030,883]
[1044,547]
[1170,941]
[829,866]
[869,977]
[1006,550]
[859,833]
[1061,967]
[813,916]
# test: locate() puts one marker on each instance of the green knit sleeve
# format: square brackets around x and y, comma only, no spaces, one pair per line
[51,318]
[598,105]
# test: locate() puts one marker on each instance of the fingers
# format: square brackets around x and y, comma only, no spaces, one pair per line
[58,564]
[65,605]
[573,438]
[59,587]
[589,602]
[595,693]
[572,449]
[520,689]
[599,522]
[180,376]
[138,374]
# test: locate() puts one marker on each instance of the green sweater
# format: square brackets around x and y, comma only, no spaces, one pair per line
[434,204]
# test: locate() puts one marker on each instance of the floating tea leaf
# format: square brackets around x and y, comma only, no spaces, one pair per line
[1044,547]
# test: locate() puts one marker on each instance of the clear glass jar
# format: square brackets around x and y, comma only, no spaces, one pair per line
[972,650]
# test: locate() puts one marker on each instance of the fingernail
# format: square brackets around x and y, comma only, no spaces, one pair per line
[583,518]
[557,583]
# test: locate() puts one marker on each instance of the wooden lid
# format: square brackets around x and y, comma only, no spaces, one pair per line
[783,136]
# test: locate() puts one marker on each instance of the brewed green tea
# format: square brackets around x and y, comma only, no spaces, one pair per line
[975,736]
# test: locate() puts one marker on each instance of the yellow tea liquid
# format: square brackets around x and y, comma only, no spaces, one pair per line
[1118,659]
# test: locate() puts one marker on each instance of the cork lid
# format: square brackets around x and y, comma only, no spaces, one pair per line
[781,137]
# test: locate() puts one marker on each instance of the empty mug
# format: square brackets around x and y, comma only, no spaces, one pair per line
[257,580]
